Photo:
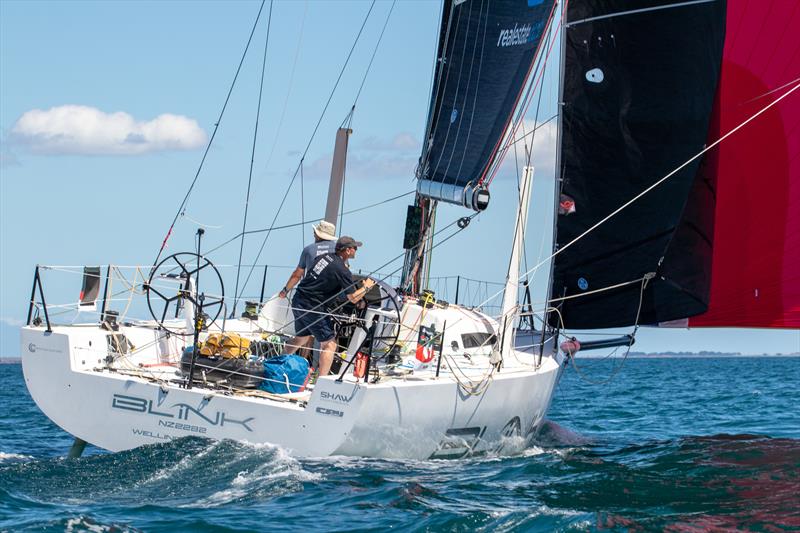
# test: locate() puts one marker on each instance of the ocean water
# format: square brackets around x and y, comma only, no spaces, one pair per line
[666,445]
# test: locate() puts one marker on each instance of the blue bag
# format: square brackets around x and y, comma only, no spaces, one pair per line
[284,373]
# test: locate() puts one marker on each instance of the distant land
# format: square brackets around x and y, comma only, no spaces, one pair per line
[684,355]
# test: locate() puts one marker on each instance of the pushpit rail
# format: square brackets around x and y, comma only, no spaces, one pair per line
[37,284]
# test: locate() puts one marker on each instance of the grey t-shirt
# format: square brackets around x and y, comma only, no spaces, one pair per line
[314,250]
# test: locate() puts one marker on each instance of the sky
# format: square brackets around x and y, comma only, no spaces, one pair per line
[106,109]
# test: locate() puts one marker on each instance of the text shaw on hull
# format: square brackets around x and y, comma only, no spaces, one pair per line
[486,50]
[638,90]
[755,275]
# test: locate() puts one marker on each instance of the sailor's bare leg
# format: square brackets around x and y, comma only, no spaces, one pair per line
[305,350]
[326,356]
[296,343]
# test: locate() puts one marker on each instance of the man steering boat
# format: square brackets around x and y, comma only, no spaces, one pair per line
[321,287]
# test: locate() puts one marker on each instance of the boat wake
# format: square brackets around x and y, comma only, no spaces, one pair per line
[561,481]
[9,457]
[187,472]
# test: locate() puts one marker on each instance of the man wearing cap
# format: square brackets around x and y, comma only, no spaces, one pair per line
[324,243]
[325,280]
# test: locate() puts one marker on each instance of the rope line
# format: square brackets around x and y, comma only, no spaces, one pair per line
[311,139]
[252,157]
[182,207]
[665,178]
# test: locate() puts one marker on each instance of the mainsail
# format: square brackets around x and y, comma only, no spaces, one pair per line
[486,51]
[638,90]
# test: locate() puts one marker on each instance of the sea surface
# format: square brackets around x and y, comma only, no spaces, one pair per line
[667,445]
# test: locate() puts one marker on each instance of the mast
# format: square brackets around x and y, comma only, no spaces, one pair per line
[418,214]
[416,241]
[557,177]
[337,175]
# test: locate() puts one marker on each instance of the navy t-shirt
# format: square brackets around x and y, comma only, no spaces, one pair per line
[314,250]
[326,279]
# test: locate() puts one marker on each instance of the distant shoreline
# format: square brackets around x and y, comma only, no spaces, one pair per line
[685,355]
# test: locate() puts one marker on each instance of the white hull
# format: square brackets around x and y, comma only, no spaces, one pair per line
[421,416]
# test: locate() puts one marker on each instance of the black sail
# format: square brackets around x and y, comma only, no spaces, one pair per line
[639,84]
[486,51]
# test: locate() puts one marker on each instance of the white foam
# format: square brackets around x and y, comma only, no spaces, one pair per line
[181,465]
[82,524]
[281,465]
[533,451]
[13,457]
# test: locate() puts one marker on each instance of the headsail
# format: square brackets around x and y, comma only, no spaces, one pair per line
[639,84]
[755,278]
[486,51]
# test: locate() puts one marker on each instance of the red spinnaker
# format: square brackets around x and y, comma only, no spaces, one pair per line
[755,280]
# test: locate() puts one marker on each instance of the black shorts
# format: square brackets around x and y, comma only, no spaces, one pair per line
[311,319]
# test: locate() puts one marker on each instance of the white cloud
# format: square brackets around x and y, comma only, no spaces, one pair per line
[75,129]
[402,142]
[543,149]
[396,158]
[373,159]
[365,166]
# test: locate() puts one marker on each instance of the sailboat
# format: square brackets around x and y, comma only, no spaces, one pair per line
[659,105]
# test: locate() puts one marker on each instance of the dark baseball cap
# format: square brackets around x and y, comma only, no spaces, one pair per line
[347,242]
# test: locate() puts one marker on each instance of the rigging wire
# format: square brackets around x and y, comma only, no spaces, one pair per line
[458,86]
[441,61]
[289,86]
[305,222]
[412,260]
[349,118]
[310,140]
[252,156]
[322,305]
[665,178]
[617,368]
[646,278]
[302,206]
[497,160]
[182,207]
[533,131]
[529,150]
[374,52]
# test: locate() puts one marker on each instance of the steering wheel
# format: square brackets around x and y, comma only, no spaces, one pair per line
[386,342]
[183,268]
[390,340]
